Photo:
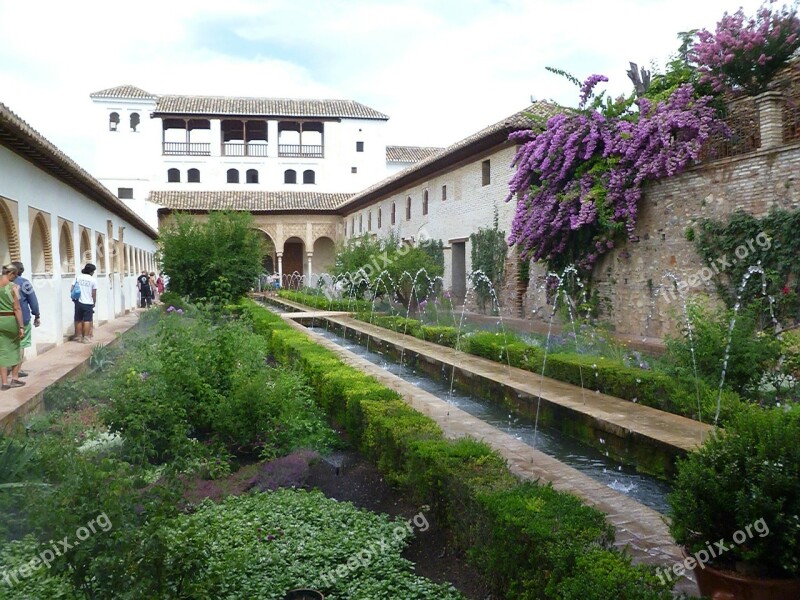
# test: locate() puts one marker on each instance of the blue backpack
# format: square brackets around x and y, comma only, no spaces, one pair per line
[75,292]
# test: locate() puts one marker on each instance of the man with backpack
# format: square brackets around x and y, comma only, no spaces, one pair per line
[84,295]
[145,293]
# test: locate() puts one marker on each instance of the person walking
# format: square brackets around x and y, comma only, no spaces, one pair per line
[143,283]
[85,304]
[12,329]
[160,285]
[30,307]
[153,287]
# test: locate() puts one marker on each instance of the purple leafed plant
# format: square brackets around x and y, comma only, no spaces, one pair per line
[579,178]
[744,54]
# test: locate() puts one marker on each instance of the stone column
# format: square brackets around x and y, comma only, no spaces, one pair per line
[770,115]
[280,267]
[309,255]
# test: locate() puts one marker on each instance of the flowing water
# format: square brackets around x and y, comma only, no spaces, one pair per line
[647,490]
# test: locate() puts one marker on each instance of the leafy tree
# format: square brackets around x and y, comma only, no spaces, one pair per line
[197,254]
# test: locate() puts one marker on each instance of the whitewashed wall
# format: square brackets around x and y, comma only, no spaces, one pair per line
[469,205]
[39,203]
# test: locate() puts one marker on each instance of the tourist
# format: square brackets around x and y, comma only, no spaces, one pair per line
[143,283]
[85,304]
[153,287]
[30,307]
[160,285]
[12,328]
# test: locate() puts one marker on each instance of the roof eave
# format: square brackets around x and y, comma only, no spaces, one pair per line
[31,148]
[496,139]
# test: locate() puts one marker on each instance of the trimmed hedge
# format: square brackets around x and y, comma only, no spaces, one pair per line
[323,303]
[656,389]
[526,538]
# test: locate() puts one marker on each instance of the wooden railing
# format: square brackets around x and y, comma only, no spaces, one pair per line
[298,151]
[187,149]
[240,149]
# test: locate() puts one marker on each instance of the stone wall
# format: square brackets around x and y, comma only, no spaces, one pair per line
[635,280]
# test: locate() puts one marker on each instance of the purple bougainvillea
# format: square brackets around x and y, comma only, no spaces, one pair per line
[744,54]
[579,180]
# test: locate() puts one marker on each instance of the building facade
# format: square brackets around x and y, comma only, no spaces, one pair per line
[148,145]
[54,218]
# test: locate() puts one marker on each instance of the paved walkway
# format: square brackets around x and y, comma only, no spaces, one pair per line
[68,359]
[642,530]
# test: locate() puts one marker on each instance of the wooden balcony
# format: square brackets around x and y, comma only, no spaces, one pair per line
[186,149]
[298,151]
[239,149]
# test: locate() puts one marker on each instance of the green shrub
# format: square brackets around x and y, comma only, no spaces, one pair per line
[529,538]
[752,352]
[323,303]
[262,545]
[600,575]
[746,476]
[173,299]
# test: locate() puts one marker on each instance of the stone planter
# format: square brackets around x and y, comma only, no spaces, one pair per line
[729,585]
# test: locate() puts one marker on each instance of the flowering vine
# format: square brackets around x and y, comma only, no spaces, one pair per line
[579,178]
[745,53]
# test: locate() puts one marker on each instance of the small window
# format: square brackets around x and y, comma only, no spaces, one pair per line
[233,176]
[394,213]
[174,176]
[193,175]
[125,193]
[361,223]
[369,221]
[290,176]
[309,176]
[113,121]
[359,146]
[486,172]
[379,218]
[425,202]
[353,226]
[444,192]
[134,121]
[408,208]
[252,176]
[354,169]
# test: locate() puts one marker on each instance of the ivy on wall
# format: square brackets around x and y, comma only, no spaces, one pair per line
[488,254]
[732,247]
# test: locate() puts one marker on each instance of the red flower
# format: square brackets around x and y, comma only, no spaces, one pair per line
[785,290]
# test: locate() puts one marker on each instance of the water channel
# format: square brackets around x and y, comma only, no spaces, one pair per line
[647,490]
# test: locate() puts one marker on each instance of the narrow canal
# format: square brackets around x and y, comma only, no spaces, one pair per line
[647,490]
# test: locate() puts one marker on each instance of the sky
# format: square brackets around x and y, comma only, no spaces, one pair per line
[441,69]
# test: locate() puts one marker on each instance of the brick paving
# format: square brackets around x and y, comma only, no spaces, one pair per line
[65,360]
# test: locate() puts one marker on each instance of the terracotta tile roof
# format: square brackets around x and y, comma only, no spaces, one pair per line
[493,134]
[273,107]
[124,91]
[23,140]
[409,154]
[256,200]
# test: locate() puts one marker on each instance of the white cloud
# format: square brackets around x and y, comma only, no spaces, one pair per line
[440,69]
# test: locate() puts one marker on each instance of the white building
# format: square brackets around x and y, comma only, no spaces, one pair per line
[54,218]
[165,143]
